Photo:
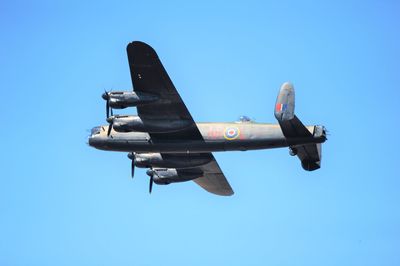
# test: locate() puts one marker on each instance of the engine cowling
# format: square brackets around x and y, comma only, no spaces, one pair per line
[123,99]
[128,123]
[170,160]
[165,176]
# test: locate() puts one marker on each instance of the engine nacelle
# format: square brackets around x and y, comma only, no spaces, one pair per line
[123,99]
[157,160]
[128,123]
[165,176]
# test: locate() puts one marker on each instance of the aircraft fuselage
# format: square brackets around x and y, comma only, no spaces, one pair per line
[216,137]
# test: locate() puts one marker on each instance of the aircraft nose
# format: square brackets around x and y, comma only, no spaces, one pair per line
[94,141]
[90,141]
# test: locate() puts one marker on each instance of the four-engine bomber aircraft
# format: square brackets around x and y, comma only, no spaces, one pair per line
[164,137]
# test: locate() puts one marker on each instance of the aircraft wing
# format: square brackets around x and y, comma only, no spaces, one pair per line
[149,76]
[214,180]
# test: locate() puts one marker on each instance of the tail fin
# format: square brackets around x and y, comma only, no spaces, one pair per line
[294,130]
[284,107]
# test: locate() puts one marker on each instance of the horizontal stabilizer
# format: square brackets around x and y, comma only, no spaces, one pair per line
[294,128]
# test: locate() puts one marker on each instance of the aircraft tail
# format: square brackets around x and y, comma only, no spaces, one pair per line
[293,129]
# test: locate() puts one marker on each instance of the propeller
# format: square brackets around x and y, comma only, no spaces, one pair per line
[151,173]
[133,168]
[106,96]
[110,120]
[133,158]
[151,184]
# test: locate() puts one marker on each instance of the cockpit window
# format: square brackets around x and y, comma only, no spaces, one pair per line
[244,119]
[95,130]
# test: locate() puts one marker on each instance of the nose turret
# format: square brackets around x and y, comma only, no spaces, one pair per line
[95,139]
[91,141]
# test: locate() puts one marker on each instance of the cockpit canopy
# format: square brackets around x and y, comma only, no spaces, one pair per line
[244,119]
[95,130]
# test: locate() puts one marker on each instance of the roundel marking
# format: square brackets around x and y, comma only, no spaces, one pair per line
[231,133]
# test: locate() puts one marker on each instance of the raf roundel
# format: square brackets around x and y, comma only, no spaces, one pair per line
[231,133]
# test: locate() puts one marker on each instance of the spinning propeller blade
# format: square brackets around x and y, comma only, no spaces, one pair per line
[151,184]
[109,129]
[107,109]
[133,167]
[110,121]
[106,96]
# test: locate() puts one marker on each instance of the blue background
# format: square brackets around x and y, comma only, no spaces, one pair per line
[65,203]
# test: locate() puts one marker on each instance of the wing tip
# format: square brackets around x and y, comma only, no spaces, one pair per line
[226,193]
[230,193]
[139,51]
[139,45]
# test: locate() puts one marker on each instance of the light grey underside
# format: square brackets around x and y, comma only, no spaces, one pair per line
[214,180]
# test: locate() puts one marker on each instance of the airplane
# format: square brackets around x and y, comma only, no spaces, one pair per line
[164,137]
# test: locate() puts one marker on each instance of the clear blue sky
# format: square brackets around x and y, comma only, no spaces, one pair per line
[64,203]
